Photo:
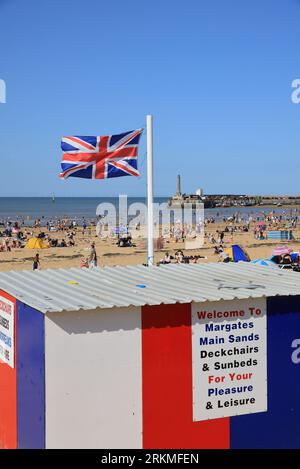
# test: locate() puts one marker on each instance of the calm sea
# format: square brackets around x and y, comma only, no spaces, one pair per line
[44,208]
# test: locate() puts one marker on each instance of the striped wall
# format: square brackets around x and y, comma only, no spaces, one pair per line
[8,397]
[280,235]
[122,378]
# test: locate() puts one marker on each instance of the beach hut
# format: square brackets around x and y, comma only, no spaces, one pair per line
[176,356]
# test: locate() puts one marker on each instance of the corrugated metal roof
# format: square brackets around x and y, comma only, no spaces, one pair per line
[107,287]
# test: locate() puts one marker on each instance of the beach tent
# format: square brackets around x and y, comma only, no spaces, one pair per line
[237,253]
[35,243]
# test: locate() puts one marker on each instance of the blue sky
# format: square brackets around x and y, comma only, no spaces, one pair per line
[216,75]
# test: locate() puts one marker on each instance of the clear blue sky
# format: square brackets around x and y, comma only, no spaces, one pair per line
[216,75]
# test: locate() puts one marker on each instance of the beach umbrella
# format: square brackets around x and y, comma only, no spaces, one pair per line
[264,262]
[281,251]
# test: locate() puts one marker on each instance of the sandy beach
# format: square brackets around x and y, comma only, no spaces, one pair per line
[109,254]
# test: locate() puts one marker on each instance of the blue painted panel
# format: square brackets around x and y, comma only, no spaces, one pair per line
[30,377]
[278,427]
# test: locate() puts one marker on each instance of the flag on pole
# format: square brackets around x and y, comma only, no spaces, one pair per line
[100,157]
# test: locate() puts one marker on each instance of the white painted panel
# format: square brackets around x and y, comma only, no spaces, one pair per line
[94,379]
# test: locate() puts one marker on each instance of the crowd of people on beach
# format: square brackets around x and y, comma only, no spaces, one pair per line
[14,236]
[64,233]
[180,258]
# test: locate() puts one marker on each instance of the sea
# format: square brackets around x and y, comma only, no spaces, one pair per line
[29,209]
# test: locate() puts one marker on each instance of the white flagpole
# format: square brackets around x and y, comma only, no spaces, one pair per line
[150,190]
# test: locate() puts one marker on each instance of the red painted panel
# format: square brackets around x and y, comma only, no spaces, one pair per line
[8,396]
[167,384]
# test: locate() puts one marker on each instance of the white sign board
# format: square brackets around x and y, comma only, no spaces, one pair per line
[7,311]
[229,343]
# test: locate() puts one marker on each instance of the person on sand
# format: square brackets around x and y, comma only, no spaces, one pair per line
[167,259]
[223,256]
[84,263]
[179,257]
[286,259]
[93,256]
[36,263]
[218,249]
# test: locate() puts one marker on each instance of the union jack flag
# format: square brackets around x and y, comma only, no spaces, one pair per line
[100,157]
